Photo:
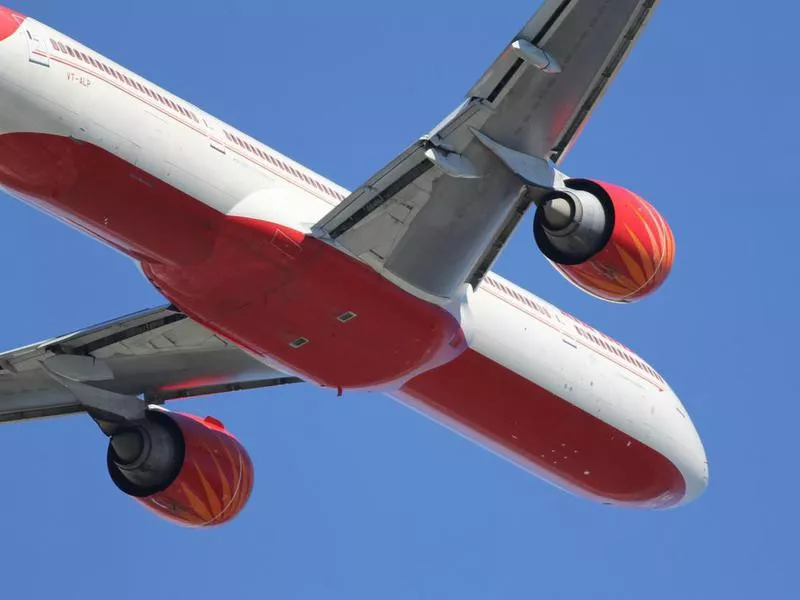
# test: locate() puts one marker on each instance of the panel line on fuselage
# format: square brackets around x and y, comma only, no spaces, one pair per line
[318,193]
[495,288]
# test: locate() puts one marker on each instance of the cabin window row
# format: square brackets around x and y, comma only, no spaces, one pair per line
[235,139]
[132,83]
[612,348]
[597,339]
[597,333]
[89,60]
[521,298]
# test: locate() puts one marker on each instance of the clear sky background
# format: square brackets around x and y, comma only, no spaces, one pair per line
[360,498]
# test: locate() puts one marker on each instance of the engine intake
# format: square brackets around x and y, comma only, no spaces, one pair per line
[188,470]
[605,239]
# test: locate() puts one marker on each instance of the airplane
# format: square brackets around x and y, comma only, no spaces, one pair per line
[275,275]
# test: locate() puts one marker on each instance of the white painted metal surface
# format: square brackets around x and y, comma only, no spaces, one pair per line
[502,322]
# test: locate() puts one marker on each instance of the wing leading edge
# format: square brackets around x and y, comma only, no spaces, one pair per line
[436,217]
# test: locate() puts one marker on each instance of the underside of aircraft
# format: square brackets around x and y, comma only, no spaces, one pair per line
[275,275]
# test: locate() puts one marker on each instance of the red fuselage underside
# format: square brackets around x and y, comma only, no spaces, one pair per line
[266,286]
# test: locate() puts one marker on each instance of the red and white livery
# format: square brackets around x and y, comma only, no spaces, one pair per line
[276,275]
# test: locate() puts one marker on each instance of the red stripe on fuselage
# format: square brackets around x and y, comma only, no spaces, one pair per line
[264,286]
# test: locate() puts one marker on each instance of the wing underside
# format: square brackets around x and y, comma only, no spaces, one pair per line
[156,355]
[436,217]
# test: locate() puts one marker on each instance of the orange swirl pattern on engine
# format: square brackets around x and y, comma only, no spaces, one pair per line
[637,258]
[215,481]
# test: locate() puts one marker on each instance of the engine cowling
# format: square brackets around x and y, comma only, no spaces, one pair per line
[605,239]
[186,469]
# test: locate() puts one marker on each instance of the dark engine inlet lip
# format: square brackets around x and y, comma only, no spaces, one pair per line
[562,258]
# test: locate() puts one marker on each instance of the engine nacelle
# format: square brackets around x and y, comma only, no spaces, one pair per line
[605,239]
[186,469]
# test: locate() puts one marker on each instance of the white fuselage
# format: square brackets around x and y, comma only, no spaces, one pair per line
[50,84]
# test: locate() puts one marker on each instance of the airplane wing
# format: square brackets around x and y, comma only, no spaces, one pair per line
[158,355]
[436,216]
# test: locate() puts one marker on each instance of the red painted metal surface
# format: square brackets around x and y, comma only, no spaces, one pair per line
[216,479]
[10,21]
[545,433]
[281,294]
[637,258]
[265,286]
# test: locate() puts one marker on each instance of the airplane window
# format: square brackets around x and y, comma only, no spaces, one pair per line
[53,43]
[71,53]
[62,47]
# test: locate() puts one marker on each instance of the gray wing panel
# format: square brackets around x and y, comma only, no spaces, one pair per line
[158,354]
[436,217]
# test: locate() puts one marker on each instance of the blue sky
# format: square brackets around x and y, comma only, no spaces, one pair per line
[359,497]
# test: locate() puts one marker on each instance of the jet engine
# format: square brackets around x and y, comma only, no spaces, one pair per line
[604,239]
[186,469]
